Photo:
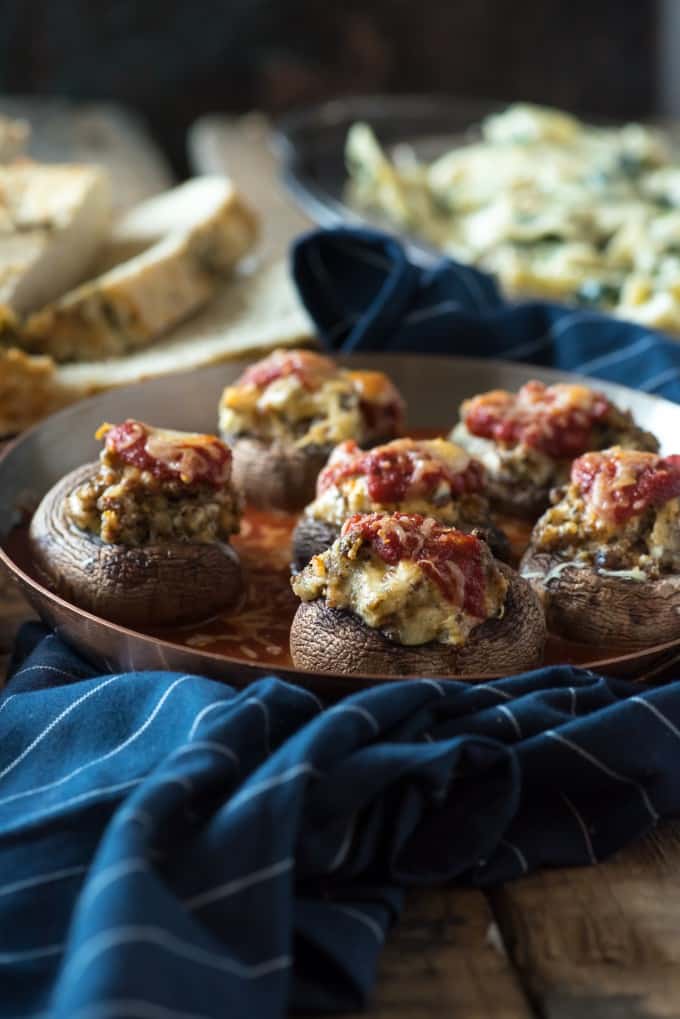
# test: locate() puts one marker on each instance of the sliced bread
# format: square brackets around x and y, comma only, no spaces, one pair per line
[253,312]
[167,257]
[53,222]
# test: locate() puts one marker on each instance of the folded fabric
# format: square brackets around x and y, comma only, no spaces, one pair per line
[170,846]
[363,293]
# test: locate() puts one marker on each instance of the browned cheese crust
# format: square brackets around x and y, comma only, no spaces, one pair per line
[583,605]
[153,585]
[327,639]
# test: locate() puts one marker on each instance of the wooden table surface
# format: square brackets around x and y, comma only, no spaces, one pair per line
[584,943]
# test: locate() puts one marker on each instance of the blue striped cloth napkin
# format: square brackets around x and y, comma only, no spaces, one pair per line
[363,293]
[172,848]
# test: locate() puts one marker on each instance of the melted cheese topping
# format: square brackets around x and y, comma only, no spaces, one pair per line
[617,484]
[425,469]
[620,515]
[305,399]
[405,598]
[375,387]
[189,457]
[511,464]
[557,420]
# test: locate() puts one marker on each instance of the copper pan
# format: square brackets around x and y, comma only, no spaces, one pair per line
[433,388]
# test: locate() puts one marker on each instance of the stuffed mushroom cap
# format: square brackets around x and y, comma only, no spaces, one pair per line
[431,477]
[141,536]
[528,440]
[401,594]
[605,559]
[286,412]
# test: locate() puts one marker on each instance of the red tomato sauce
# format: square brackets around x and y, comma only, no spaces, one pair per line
[451,559]
[598,477]
[311,369]
[210,459]
[390,473]
[536,416]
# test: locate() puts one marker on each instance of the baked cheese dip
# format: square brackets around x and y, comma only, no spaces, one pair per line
[408,576]
[155,485]
[552,206]
[527,440]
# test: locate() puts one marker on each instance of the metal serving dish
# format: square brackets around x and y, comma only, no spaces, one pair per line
[433,388]
[311,147]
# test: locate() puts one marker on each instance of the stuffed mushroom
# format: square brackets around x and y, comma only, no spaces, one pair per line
[605,559]
[141,537]
[528,440]
[286,413]
[432,477]
[401,594]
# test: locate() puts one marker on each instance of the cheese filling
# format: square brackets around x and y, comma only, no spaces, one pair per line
[302,398]
[156,486]
[429,477]
[416,597]
[533,435]
[511,464]
[620,514]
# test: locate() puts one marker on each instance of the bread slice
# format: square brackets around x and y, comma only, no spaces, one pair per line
[252,313]
[53,222]
[176,251]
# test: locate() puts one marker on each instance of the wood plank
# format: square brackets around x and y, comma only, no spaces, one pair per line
[445,959]
[600,942]
[241,148]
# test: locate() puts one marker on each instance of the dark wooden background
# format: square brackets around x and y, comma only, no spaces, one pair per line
[174,60]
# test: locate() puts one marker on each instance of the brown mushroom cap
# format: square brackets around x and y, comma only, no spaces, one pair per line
[276,475]
[519,498]
[153,585]
[311,537]
[327,639]
[583,605]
